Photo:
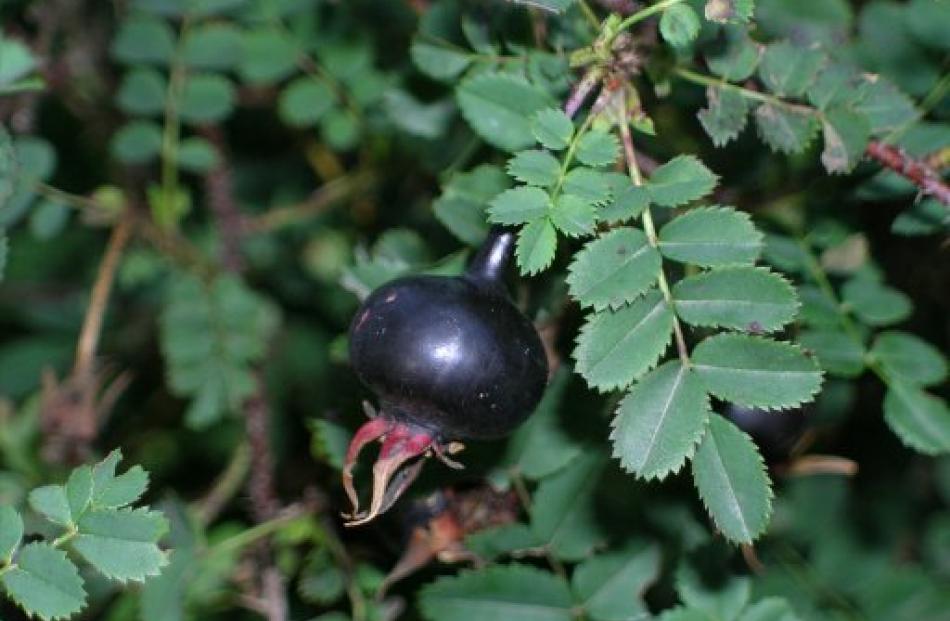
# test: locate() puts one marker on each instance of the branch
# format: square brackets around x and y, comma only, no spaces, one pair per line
[915,171]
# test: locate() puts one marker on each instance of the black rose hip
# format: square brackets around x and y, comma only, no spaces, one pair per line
[450,359]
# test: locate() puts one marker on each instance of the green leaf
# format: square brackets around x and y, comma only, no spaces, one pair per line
[628,201]
[724,116]
[588,184]
[142,92]
[836,351]
[679,181]
[137,142]
[197,155]
[305,101]
[886,107]
[534,167]
[739,298]
[552,128]
[122,490]
[614,269]
[710,237]
[733,56]
[756,371]
[725,11]
[679,25]
[144,40]
[573,216]
[909,358]
[121,543]
[543,445]
[18,61]
[537,242]
[48,219]
[562,510]
[552,6]
[610,586]
[328,442]
[784,129]
[769,609]
[50,501]
[846,136]
[837,85]
[461,207]
[45,583]
[660,421]
[211,332]
[597,148]
[212,46]
[874,303]
[437,60]
[922,218]
[617,347]
[920,420]
[519,205]
[268,55]
[499,540]
[79,490]
[206,98]
[499,107]
[730,475]
[515,592]
[929,22]
[721,600]
[11,532]
[788,70]
[321,582]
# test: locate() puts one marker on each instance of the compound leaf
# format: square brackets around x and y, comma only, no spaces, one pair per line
[711,236]
[740,298]
[614,269]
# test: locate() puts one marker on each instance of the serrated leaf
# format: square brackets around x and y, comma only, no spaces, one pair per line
[785,129]
[679,25]
[724,116]
[837,85]
[537,242]
[45,583]
[788,70]
[534,167]
[563,518]
[121,543]
[732,481]
[836,351]
[610,586]
[321,582]
[587,184]
[614,269]
[756,371]
[711,236]
[846,136]
[121,490]
[922,218]
[660,421]
[628,200]
[679,181]
[769,609]
[215,46]
[920,420]
[573,216]
[740,298]
[438,60]
[552,6]
[269,55]
[615,347]
[305,101]
[79,490]
[886,107]
[206,98]
[874,303]
[197,155]
[50,501]
[461,207]
[499,107]
[144,40]
[11,532]
[499,540]
[515,592]
[733,56]
[909,358]
[597,148]
[725,11]
[552,128]
[142,92]
[519,205]
[137,142]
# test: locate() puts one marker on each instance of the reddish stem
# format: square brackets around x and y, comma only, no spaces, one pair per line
[913,170]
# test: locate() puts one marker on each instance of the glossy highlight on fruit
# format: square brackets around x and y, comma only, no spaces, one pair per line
[450,358]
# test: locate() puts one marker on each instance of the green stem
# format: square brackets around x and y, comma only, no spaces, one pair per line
[642,14]
[69,199]
[262,530]
[569,157]
[66,537]
[748,93]
[8,566]
[171,134]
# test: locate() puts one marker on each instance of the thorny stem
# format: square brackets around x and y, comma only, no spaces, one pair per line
[915,171]
[92,324]
[650,229]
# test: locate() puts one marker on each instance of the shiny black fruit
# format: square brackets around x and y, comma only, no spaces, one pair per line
[450,358]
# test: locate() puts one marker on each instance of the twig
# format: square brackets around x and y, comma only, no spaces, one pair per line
[92,324]
[326,197]
[582,90]
[225,487]
[222,203]
[913,170]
